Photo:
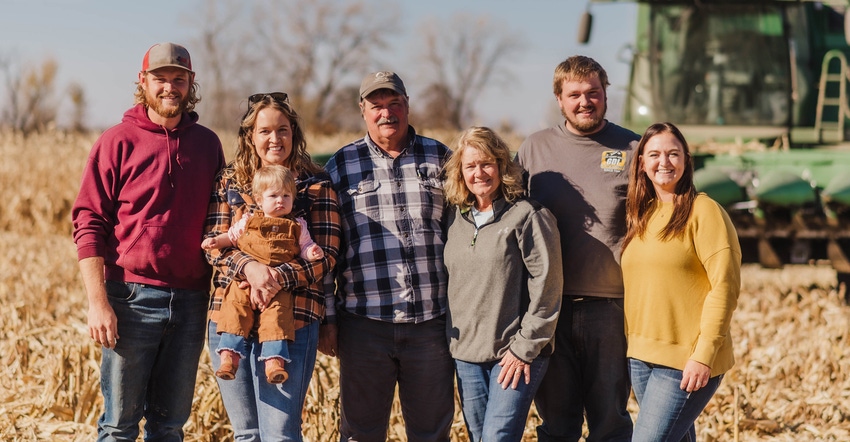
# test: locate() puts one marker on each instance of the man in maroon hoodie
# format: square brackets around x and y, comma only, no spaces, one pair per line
[137,222]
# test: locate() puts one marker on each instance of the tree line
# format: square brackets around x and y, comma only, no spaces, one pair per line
[315,51]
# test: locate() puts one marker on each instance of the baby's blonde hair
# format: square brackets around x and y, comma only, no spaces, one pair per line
[272,177]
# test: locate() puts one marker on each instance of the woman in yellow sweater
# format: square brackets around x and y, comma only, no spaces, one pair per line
[681,267]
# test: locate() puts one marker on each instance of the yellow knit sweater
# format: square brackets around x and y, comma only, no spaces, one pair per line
[680,294]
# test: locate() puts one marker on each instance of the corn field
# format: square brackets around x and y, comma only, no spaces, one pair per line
[791,381]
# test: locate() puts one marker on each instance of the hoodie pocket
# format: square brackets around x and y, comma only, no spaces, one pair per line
[165,253]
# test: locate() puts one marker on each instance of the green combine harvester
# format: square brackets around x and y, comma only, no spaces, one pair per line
[759,88]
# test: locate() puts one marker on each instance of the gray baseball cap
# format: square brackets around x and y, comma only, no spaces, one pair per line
[381,80]
[163,55]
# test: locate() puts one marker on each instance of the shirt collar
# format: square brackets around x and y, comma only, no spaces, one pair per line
[411,139]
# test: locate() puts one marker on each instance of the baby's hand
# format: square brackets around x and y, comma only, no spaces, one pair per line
[209,244]
[315,253]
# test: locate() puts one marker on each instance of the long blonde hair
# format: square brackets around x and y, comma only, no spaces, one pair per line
[491,145]
[641,197]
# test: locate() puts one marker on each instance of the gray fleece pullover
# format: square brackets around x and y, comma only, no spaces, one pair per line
[505,283]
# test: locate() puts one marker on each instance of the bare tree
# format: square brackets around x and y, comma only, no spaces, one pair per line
[31,105]
[315,51]
[220,54]
[77,94]
[319,50]
[462,58]
[437,110]
[11,79]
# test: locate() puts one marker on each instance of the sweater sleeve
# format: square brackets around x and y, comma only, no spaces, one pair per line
[716,245]
[540,245]
[93,213]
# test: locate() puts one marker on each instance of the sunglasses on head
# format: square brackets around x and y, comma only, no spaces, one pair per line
[280,97]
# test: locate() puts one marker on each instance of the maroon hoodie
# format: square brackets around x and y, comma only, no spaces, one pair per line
[144,198]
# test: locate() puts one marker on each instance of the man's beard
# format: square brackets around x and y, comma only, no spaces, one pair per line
[587,126]
[167,111]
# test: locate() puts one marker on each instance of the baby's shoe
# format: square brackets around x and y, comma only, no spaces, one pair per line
[229,365]
[275,373]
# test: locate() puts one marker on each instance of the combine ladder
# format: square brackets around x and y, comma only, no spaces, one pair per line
[836,255]
[835,128]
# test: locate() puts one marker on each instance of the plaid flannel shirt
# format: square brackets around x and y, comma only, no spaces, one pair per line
[392,212]
[316,202]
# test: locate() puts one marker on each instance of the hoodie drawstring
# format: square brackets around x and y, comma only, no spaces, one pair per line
[176,154]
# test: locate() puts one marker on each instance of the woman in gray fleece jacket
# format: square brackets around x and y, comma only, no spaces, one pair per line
[503,258]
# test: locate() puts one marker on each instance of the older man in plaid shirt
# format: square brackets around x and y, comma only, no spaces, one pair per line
[390,282]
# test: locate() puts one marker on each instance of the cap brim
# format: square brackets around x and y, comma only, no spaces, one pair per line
[171,66]
[368,91]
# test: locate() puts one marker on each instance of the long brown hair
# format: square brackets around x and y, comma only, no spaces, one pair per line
[246,162]
[641,198]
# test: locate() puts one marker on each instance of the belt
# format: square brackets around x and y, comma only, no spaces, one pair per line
[577,299]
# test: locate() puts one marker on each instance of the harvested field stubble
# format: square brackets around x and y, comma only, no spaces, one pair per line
[791,381]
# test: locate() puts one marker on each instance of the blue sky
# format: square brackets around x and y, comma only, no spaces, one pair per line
[100,44]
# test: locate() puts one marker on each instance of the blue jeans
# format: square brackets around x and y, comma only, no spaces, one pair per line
[151,371]
[588,373]
[262,411]
[667,413]
[492,413]
[270,349]
[374,356]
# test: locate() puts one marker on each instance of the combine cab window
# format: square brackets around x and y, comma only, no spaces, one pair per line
[720,67]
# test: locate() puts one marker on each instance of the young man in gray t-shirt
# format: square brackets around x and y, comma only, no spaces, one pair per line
[579,171]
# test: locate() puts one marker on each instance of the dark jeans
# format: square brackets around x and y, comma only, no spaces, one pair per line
[588,373]
[374,356]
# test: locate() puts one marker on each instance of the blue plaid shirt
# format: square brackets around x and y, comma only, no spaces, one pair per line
[391,265]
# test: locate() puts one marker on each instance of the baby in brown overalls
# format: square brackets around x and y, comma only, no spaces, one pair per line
[273,239]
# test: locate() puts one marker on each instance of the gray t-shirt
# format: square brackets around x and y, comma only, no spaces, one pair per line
[583,181]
